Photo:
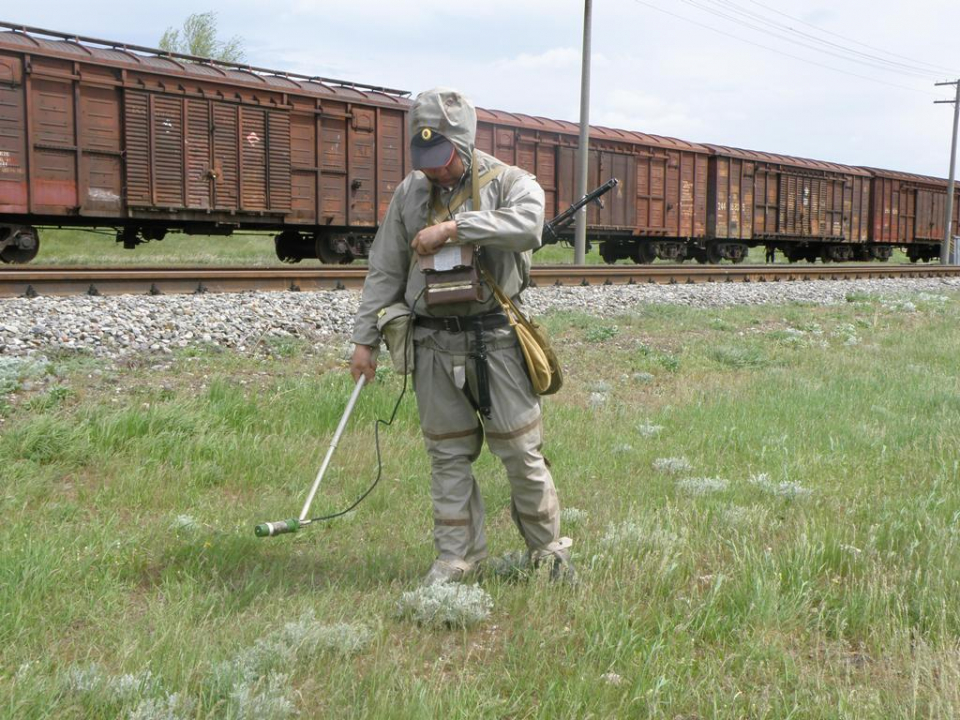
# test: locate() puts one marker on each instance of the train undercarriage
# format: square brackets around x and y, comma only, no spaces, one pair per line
[712,252]
[20,244]
[293,246]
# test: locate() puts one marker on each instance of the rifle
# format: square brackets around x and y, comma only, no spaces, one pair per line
[552,229]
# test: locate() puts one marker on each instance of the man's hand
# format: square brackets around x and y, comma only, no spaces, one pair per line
[429,240]
[363,362]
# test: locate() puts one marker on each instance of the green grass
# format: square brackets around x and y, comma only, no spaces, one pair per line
[86,247]
[807,565]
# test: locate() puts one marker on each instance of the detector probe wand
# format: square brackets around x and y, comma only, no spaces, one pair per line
[269,529]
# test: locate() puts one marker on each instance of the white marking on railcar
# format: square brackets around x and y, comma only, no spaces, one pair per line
[103,195]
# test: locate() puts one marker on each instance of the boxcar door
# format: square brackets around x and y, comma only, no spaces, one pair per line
[363,146]
[389,157]
[13,137]
[54,163]
[651,173]
[615,210]
[199,144]
[304,166]
[226,186]
[931,212]
[101,178]
[794,214]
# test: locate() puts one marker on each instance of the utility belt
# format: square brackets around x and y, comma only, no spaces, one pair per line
[464,323]
[476,324]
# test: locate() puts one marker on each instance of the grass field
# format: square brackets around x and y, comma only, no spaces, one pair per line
[764,504]
[81,247]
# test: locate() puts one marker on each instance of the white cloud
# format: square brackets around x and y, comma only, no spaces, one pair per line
[635,110]
[651,72]
[564,58]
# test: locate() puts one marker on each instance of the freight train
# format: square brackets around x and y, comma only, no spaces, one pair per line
[102,134]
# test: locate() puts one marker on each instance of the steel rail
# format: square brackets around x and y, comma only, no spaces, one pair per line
[58,281]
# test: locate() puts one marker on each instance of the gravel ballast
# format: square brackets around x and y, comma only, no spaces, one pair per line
[115,326]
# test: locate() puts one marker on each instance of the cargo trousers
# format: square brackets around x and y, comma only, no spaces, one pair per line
[445,382]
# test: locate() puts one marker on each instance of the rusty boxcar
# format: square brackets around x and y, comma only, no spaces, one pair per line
[909,211]
[809,209]
[94,133]
[145,142]
[658,207]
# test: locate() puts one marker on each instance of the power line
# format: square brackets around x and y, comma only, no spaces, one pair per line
[785,54]
[910,72]
[912,67]
[855,42]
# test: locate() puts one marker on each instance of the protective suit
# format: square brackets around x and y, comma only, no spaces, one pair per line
[506,226]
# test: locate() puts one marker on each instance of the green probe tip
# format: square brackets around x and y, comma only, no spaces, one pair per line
[277,528]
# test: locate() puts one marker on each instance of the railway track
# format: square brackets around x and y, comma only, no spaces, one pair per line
[58,281]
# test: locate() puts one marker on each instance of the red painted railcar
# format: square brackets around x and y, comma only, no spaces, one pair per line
[657,209]
[94,133]
[806,208]
[909,211]
[149,143]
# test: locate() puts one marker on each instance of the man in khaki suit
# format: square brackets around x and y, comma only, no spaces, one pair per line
[458,404]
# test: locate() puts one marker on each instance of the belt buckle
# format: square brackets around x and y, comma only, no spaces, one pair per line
[452,324]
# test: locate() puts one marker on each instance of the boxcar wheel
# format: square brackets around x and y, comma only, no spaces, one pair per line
[287,247]
[643,254]
[608,252]
[23,247]
[713,254]
[329,256]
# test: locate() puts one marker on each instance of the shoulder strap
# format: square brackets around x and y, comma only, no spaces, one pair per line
[477,182]
[513,313]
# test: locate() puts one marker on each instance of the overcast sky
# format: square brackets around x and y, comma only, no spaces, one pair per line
[652,70]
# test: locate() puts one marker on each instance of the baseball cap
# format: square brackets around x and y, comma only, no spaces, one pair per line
[430,149]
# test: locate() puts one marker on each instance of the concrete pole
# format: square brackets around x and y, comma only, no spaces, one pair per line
[580,238]
[948,225]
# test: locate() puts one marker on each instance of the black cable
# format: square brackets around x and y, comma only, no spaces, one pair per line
[844,37]
[780,52]
[890,65]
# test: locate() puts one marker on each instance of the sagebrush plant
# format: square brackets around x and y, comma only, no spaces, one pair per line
[820,582]
[174,706]
[784,489]
[446,605]
[296,641]
[14,370]
[573,516]
[672,465]
[702,485]
[268,698]
[648,429]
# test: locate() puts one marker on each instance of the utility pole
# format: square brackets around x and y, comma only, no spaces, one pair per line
[948,231]
[580,238]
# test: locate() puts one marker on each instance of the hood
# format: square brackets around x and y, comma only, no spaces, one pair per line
[449,113]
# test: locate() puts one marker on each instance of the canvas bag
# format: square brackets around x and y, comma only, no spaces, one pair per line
[394,323]
[543,366]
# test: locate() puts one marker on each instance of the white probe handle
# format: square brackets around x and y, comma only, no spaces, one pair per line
[304,514]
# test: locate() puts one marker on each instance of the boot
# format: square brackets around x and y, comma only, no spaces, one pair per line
[556,556]
[446,571]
